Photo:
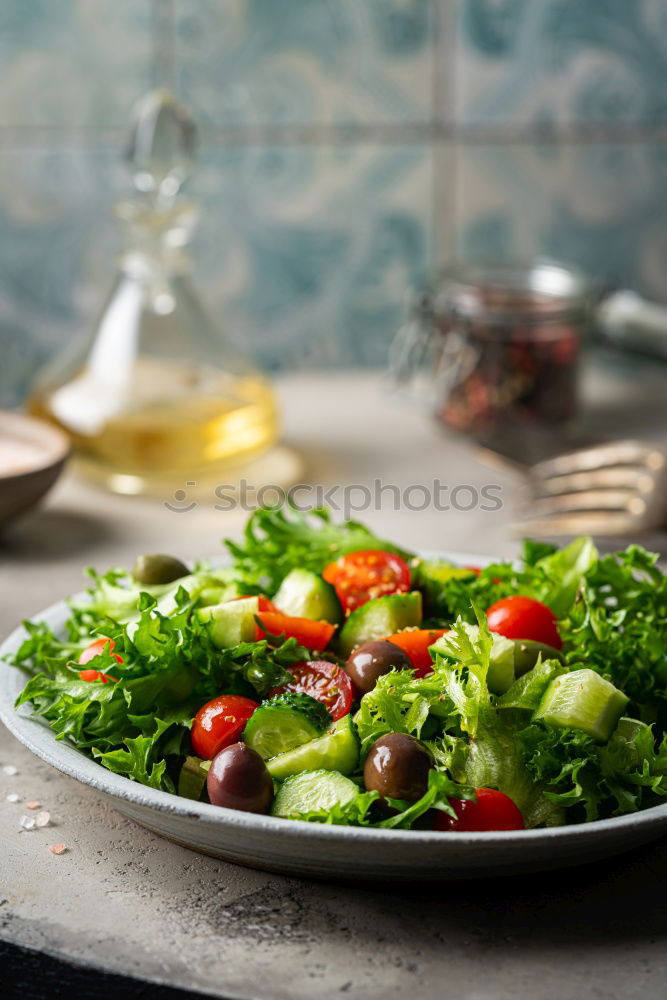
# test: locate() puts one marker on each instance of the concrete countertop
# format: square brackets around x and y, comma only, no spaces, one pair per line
[122,899]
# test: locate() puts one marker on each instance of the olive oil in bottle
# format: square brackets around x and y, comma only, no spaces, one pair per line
[156,394]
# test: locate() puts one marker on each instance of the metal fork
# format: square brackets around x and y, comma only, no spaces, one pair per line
[615,488]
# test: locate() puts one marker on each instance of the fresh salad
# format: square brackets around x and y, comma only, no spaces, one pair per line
[329,676]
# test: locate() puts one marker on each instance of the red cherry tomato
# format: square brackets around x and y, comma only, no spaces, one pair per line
[98,647]
[415,642]
[524,618]
[492,810]
[219,723]
[96,675]
[308,633]
[362,576]
[324,681]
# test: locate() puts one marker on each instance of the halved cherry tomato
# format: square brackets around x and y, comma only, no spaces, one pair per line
[362,576]
[308,633]
[415,642]
[219,723]
[492,810]
[324,681]
[263,603]
[97,647]
[524,618]
[96,675]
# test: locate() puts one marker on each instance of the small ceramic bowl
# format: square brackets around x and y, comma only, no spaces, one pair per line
[32,456]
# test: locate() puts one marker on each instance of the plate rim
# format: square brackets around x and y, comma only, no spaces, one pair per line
[41,741]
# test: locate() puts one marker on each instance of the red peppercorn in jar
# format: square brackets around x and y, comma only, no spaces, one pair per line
[501,344]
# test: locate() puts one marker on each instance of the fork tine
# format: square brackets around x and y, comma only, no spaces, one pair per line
[614,477]
[600,500]
[588,523]
[600,456]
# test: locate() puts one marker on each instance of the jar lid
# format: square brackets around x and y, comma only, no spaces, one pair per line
[500,292]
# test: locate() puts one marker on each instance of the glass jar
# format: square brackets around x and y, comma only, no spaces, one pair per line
[495,350]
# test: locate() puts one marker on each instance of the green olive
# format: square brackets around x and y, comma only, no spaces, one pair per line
[526,652]
[180,686]
[156,568]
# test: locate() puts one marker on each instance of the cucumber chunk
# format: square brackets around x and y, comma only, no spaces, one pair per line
[215,593]
[582,700]
[306,595]
[232,622]
[430,577]
[335,750]
[528,690]
[311,791]
[192,778]
[285,722]
[379,618]
[500,675]
[528,651]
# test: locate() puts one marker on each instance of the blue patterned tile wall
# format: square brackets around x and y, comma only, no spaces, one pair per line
[72,63]
[542,63]
[349,148]
[601,206]
[306,62]
[307,252]
[560,113]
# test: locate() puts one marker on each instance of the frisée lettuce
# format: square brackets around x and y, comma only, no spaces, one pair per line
[567,735]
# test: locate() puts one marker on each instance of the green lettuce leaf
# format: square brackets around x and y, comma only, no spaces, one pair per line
[276,541]
[365,810]
[486,753]
[401,703]
[145,758]
[138,722]
[618,627]
[526,693]
[578,774]
[553,576]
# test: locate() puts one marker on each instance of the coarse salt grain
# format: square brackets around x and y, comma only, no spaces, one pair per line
[33,805]
[42,818]
[27,823]
[10,770]
[57,848]
[12,797]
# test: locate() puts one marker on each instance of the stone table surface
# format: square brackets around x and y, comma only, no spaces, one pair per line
[124,900]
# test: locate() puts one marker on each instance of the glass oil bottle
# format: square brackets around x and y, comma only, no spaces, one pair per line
[155,395]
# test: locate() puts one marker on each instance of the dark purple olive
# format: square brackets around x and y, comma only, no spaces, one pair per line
[397,767]
[368,662]
[238,779]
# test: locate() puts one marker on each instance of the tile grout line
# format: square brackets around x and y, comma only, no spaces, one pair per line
[455,150]
[446,160]
[163,44]
[83,137]
[434,116]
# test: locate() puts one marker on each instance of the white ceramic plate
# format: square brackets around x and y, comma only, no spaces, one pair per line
[309,849]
